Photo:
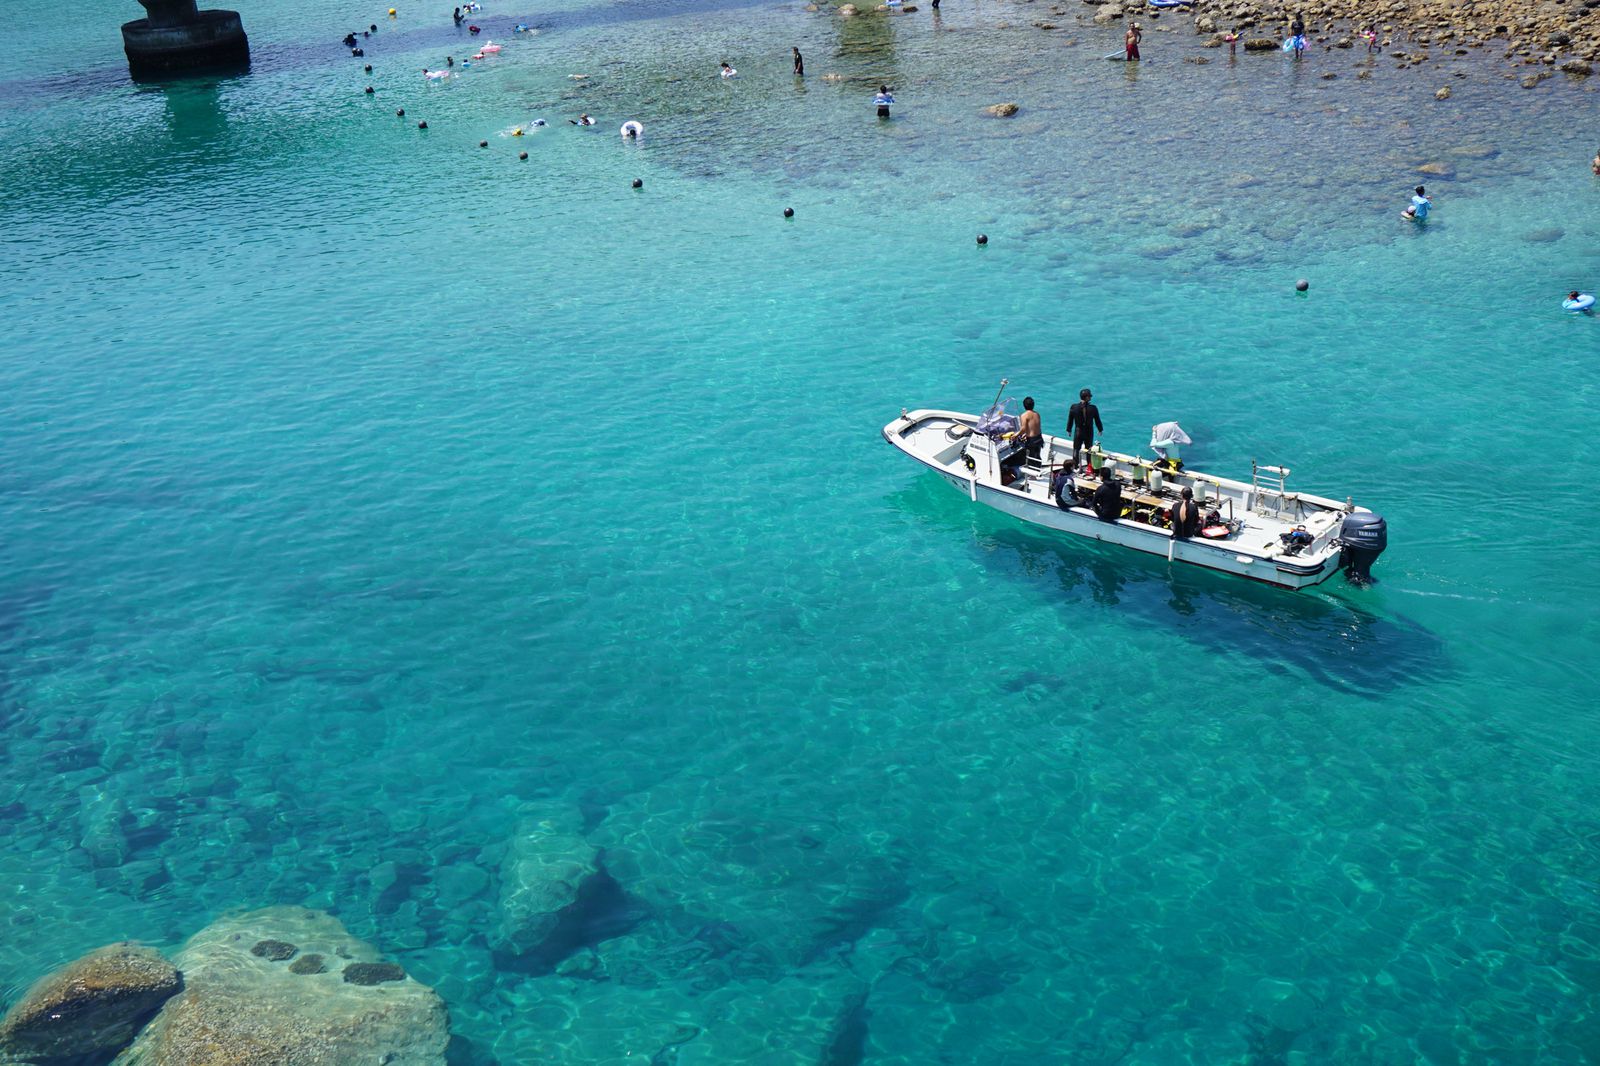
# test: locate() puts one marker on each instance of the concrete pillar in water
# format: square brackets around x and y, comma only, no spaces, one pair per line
[176,39]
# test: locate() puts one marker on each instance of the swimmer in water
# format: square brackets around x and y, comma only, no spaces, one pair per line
[457,16]
[434,75]
[883,100]
[581,120]
[729,72]
[1573,295]
[449,61]
[631,130]
[1420,206]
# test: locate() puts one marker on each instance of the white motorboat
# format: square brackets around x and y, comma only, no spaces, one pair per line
[1257,529]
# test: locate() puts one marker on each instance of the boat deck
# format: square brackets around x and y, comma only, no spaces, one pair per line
[945,440]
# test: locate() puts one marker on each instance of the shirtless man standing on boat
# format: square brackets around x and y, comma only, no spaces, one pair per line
[1029,431]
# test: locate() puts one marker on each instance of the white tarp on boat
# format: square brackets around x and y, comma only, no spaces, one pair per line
[1166,436]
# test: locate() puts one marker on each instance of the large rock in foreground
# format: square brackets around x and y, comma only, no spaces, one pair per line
[91,1007]
[290,987]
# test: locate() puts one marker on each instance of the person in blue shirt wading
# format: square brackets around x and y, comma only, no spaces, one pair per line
[1420,206]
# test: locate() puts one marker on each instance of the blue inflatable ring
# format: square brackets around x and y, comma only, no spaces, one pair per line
[1583,303]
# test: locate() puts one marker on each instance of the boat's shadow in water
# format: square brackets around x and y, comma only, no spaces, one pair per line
[1316,633]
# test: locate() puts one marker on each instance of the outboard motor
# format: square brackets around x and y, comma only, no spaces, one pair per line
[1364,536]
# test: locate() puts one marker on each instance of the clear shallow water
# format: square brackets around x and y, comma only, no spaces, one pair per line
[361,486]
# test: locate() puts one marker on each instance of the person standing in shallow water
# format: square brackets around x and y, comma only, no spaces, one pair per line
[883,100]
[799,64]
[1130,43]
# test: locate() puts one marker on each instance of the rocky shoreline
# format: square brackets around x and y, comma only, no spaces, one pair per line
[1563,34]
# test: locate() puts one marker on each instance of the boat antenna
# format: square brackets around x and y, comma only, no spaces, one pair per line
[1003,383]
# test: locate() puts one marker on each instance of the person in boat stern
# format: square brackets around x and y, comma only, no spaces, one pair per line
[1082,422]
[1185,516]
[1108,497]
[1030,432]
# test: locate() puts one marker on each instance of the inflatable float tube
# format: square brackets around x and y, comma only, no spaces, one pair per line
[633,128]
[1584,302]
[1413,218]
[1215,532]
[1118,56]
[1171,3]
[1289,45]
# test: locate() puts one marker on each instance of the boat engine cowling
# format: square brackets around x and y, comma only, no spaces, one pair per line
[1364,536]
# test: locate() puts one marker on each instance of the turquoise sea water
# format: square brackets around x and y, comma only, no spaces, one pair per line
[361,486]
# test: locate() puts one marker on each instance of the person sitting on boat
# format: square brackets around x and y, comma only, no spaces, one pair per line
[1185,516]
[1030,433]
[1108,497]
[1062,489]
[1296,540]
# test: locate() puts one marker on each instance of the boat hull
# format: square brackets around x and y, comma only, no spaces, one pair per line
[1288,572]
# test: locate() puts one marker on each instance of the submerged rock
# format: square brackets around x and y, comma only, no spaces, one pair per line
[1260,44]
[544,868]
[1545,236]
[238,1008]
[91,1007]
[274,950]
[373,973]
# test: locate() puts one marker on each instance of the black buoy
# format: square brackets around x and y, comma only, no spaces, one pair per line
[483,144]
[522,155]
[983,238]
[638,183]
[1302,285]
[422,125]
[370,90]
[788,212]
[400,113]
[368,68]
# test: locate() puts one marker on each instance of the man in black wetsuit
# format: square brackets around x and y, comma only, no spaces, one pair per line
[1082,422]
[1108,497]
[799,63]
[1185,517]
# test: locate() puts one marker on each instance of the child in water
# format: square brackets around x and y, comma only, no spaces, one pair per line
[729,72]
